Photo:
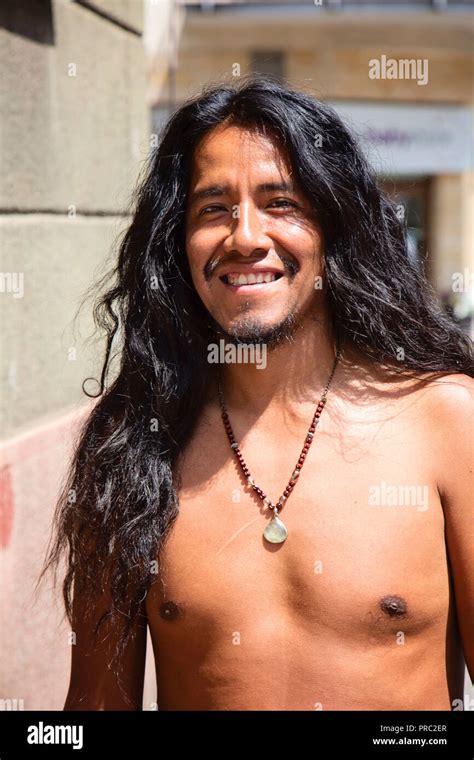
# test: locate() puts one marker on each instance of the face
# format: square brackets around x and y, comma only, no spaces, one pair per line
[253,245]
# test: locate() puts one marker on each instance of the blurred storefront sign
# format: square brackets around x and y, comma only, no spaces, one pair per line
[412,139]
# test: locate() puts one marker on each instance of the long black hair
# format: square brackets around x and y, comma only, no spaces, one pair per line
[119,500]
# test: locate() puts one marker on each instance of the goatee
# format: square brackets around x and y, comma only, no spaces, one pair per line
[251,331]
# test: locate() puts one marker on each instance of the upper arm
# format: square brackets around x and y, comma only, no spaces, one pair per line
[456,488]
[93,684]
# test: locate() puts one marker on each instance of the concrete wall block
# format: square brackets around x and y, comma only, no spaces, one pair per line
[45,354]
[76,125]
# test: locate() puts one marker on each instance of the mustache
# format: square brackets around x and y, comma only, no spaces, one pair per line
[290,265]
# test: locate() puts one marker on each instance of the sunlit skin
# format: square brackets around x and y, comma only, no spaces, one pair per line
[244,215]
[356,610]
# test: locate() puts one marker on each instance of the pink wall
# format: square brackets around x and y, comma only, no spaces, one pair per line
[34,647]
[35,653]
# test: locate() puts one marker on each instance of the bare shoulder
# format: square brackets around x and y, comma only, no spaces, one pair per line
[421,392]
[449,407]
[455,388]
[446,404]
[440,406]
[448,413]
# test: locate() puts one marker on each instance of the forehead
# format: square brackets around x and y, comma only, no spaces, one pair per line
[237,151]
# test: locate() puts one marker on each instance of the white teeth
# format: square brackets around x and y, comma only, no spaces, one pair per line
[251,279]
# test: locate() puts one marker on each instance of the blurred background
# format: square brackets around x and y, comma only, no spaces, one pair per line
[86,87]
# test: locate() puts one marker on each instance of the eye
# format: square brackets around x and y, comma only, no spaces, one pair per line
[283,203]
[210,210]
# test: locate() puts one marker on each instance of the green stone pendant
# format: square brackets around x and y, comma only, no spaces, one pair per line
[276,531]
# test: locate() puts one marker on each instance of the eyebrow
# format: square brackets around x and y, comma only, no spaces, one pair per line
[213,191]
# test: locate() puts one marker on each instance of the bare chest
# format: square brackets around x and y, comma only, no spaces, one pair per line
[365,556]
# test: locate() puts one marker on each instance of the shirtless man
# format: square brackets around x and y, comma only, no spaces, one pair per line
[369,602]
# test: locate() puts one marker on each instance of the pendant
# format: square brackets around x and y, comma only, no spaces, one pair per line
[276,531]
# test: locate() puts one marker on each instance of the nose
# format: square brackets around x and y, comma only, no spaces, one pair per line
[248,235]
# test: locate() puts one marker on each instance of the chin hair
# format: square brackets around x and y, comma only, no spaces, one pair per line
[252,331]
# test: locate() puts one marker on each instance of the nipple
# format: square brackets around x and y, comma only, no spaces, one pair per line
[394,606]
[169,611]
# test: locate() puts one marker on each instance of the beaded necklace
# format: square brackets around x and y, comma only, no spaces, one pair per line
[276,531]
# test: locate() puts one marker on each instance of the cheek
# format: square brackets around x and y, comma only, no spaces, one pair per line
[200,246]
[196,257]
[304,242]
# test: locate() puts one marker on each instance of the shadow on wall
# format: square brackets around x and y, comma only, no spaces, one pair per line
[29,18]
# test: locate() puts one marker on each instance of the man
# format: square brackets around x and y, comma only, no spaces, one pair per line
[353,439]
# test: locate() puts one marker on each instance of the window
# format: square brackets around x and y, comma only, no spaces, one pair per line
[270,62]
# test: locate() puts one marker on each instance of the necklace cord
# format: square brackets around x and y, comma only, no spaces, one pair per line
[304,451]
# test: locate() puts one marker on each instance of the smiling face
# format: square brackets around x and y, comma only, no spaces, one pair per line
[253,245]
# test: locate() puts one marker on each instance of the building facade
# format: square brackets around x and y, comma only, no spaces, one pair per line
[400,74]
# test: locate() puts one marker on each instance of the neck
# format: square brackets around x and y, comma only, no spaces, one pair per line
[296,371]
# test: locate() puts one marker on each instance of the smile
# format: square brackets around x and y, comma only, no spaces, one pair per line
[238,279]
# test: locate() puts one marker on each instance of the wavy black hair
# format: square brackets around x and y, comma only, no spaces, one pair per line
[119,500]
